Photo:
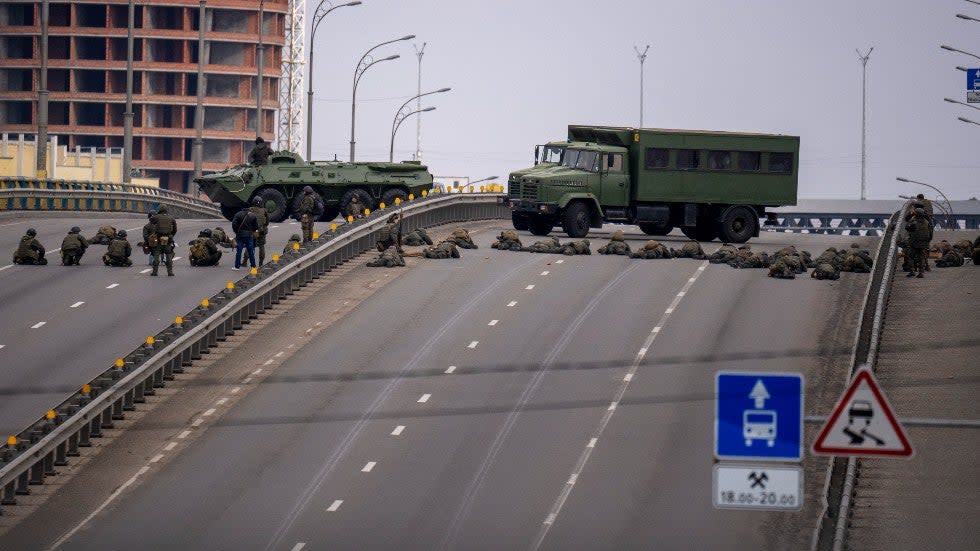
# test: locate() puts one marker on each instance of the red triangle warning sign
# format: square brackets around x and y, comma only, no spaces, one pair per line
[863,423]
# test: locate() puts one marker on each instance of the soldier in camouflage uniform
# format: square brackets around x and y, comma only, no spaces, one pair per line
[725,254]
[307,213]
[976,251]
[29,250]
[295,238]
[857,260]
[103,236]
[748,259]
[780,270]
[462,239]
[831,256]
[417,238]
[691,249]
[652,250]
[508,240]
[617,245]
[118,253]
[549,245]
[445,249]
[942,247]
[203,250]
[220,238]
[825,270]
[355,208]
[389,235]
[389,258]
[164,228]
[920,234]
[951,259]
[964,247]
[73,247]
[576,247]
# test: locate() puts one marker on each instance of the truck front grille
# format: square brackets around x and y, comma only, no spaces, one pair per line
[529,191]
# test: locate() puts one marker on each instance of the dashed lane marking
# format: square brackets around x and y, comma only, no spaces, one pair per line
[335,505]
[236,390]
[156,458]
[257,372]
[628,377]
[512,304]
[424,398]
[146,271]
[77,304]
[176,258]
[246,380]
[209,412]
[5,267]
[112,286]
[2,345]
[268,362]
[279,354]
[170,446]
[493,322]
[450,369]
[592,443]
[398,430]
[222,401]
[369,466]
[473,344]
[529,287]
[197,422]
[184,434]
[299,546]
[612,406]
[559,262]
[546,272]
[39,324]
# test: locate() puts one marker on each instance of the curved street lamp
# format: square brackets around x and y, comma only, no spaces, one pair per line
[363,65]
[967,17]
[952,49]
[322,9]
[399,119]
[950,100]
[949,206]
[398,114]
[966,120]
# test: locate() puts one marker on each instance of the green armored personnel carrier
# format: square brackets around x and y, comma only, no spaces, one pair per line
[280,183]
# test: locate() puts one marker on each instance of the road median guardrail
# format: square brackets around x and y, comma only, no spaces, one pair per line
[34,454]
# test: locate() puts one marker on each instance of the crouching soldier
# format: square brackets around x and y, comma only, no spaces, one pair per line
[73,247]
[29,250]
[390,235]
[220,238]
[118,252]
[617,245]
[446,249]
[203,251]
[103,236]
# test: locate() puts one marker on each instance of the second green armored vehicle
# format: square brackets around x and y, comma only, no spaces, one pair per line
[280,182]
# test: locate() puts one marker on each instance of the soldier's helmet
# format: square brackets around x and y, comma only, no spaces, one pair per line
[307,189]
[31,232]
[257,201]
[206,232]
[151,214]
[163,209]
[295,237]
[258,139]
[121,233]
[75,229]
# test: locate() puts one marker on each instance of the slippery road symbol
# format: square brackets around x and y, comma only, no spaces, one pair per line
[860,410]
[758,479]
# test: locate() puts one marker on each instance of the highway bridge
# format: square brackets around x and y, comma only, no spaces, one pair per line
[504,400]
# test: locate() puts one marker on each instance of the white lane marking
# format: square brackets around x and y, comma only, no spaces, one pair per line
[272,227]
[318,324]
[656,330]
[132,229]
[5,267]
[112,286]
[424,398]
[278,354]
[146,271]
[100,508]
[2,345]
[473,344]
[236,390]
[176,258]
[398,430]
[628,377]
[209,412]
[642,352]
[493,322]
[559,262]
[246,380]
[546,272]
[529,287]
[335,505]
[184,434]
[612,406]
[290,346]
[299,546]
[77,304]
[221,401]
[257,372]
[604,422]
[268,362]
[572,479]
[669,311]
[450,369]
[39,324]
[197,422]
[512,304]
[156,458]
[170,446]
[369,466]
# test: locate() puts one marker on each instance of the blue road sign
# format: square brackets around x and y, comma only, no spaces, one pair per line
[973,79]
[759,416]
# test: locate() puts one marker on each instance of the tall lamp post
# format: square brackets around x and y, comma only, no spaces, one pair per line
[399,116]
[41,165]
[949,206]
[201,86]
[864,119]
[363,65]
[322,9]
[419,52]
[966,120]
[642,56]
[950,100]
[952,49]
[127,175]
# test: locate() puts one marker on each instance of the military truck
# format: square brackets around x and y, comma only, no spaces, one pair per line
[280,183]
[709,184]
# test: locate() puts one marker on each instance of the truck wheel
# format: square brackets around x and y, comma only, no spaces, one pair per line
[575,221]
[519,221]
[701,232]
[737,225]
[329,213]
[229,211]
[362,196]
[539,225]
[274,202]
[388,197]
[654,229]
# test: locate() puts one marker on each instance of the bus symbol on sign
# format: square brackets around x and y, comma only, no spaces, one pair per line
[759,425]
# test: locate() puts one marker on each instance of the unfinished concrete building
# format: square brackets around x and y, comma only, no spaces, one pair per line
[87,78]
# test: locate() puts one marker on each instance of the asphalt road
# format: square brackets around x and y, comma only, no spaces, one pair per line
[63,325]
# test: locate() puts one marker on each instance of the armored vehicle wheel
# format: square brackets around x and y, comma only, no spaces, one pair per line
[388,197]
[654,229]
[737,225]
[366,201]
[519,221]
[274,202]
[701,232]
[229,211]
[329,213]
[540,226]
[575,221]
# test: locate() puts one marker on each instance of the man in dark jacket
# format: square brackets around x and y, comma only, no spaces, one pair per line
[244,224]
[260,153]
[920,235]
[73,247]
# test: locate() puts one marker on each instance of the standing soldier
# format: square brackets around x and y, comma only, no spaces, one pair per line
[164,227]
[926,204]
[30,251]
[147,231]
[73,247]
[260,153]
[920,234]
[262,217]
[118,252]
[307,210]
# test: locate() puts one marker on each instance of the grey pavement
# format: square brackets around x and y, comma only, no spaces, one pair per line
[74,342]
[485,451]
[927,368]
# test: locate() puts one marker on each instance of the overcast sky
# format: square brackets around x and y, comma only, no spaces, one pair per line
[522,70]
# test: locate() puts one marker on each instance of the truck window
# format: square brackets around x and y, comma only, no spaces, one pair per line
[551,154]
[614,163]
[581,159]
[749,160]
[719,160]
[688,159]
[781,163]
[656,158]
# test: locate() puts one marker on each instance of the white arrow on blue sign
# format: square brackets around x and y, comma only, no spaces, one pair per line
[973,79]
[759,416]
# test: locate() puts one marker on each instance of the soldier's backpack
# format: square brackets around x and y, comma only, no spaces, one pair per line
[107,231]
[152,240]
[199,250]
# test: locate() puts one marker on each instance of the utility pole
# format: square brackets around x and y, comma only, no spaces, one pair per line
[864,119]
[642,56]
[419,52]
[41,166]
[127,171]
[260,61]
[201,85]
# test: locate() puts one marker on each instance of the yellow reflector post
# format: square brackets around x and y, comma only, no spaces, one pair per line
[367,212]
[333,226]
[179,320]
[120,363]
[482,189]
[253,272]
[11,440]
[381,205]
[425,193]
[275,258]
[411,196]
[86,389]
[50,414]
[316,235]
[230,285]
[295,246]
[205,303]
[150,340]
[350,219]
[398,201]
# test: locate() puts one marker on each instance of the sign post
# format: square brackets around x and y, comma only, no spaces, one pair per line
[973,85]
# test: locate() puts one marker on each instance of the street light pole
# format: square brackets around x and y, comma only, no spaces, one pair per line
[397,123]
[419,52]
[261,66]
[966,120]
[949,206]
[318,16]
[398,114]
[41,166]
[127,175]
[642,56]
[957,50]
[950,100]
[362,66]
[864,119]
[201,84]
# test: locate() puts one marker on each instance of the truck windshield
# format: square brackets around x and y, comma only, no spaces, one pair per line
[581,159]
[551,154]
